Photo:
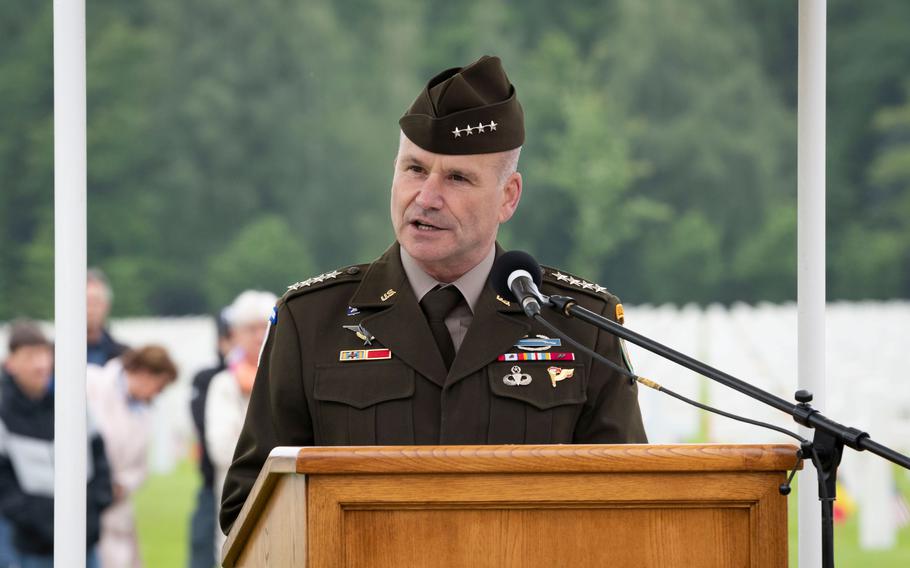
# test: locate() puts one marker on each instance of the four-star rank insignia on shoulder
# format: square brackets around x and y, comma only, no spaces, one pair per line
[571,280]
[323,280]
[314,280]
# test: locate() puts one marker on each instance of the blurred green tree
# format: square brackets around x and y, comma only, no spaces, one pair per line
[660,158]
[266,254]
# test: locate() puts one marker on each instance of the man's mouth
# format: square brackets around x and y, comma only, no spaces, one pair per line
[424,226]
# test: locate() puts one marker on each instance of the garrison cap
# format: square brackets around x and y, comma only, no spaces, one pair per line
[467,110]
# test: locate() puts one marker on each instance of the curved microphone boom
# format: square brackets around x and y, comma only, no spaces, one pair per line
[516,276]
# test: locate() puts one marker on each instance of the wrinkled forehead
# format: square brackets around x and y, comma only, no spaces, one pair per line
[477,163]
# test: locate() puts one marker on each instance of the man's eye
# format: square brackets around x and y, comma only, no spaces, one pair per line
[415,169]
[458,178]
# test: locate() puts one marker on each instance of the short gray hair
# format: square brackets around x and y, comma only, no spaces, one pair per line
[98,276]
[509,164]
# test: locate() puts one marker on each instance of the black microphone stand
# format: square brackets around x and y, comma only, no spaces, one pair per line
[827,444]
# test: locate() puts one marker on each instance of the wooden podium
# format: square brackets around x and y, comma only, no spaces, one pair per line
[516,506]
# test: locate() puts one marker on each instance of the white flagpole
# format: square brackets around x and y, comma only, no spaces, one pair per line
[70,446]
[811,252]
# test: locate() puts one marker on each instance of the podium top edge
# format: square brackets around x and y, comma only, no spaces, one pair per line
[568,458]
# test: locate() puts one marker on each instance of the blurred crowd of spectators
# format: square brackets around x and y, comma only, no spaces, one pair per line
[121,384]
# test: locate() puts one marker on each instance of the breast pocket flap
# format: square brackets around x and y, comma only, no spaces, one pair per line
[363,384]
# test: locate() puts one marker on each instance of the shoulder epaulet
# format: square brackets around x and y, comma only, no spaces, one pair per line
[572,283]
[324,280]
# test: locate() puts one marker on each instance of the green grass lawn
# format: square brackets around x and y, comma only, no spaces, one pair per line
[163,508]
[847,552]
[165,503]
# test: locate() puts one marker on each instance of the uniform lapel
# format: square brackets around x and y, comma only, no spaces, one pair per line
[399,323]
[496,326]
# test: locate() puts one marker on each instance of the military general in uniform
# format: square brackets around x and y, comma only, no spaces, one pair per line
[416,347]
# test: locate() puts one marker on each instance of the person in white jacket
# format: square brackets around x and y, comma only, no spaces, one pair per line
[229,392]
[118,396]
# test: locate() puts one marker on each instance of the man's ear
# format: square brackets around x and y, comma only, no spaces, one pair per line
[511,195]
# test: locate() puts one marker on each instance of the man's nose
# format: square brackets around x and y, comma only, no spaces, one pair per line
[429,196]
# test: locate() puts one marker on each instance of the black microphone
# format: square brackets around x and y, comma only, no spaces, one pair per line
[515,276]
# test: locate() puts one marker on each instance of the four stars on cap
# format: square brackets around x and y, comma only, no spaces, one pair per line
[470,129]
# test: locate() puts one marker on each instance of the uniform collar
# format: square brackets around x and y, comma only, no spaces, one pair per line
[470,284]
[387,278]
[401,326]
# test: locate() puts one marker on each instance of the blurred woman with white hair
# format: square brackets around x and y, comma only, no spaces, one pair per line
[229,392]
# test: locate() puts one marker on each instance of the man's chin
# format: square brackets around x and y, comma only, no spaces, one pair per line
[425,252]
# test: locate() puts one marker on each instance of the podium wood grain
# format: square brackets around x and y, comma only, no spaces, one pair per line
[511,506]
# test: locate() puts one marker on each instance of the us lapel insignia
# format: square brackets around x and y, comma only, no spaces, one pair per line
[364,354]
[516,378]
[537,343]
[502,300]
[387,295]
[559,374]
[361,333]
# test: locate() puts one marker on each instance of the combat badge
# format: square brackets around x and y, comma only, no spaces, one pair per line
[559,374]
[537,343]
[361,333]
[516,378]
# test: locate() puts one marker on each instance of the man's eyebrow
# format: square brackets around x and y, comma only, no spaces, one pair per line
[462,173]
[412,160]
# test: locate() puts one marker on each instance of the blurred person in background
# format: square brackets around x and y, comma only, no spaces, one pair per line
[101,346]
[119,397]
[27,450]
[202,525]
[7,552]
[229,392]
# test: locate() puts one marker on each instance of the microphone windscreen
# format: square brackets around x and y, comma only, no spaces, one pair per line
[506,264]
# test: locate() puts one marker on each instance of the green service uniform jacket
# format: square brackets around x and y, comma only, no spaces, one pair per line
[311,390]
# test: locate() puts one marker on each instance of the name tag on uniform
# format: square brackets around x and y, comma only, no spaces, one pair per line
[364,354]
[536,357]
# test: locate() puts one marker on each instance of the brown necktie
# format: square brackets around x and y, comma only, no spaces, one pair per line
[436,305]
